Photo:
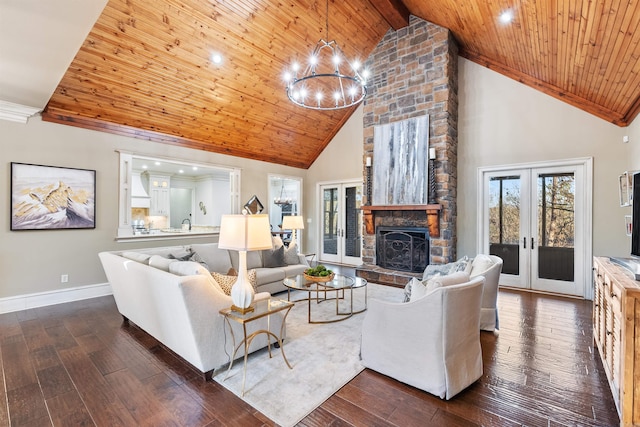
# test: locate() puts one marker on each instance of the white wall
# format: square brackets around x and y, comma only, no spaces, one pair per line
[341,160]
[32,261]
[504,122]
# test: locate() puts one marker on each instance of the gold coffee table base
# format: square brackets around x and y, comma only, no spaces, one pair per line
[338,285]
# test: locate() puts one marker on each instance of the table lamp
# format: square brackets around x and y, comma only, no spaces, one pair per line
[293,222]
[244,233]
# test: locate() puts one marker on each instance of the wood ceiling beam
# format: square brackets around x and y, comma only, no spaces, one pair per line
[393,11]
[72,119]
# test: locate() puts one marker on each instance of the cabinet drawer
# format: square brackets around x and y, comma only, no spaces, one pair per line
[614,294]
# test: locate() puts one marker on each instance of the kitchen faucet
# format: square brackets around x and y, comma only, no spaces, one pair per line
[189,221]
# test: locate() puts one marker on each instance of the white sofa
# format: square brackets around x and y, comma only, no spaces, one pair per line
[432,343]
[182,311]
[270,279]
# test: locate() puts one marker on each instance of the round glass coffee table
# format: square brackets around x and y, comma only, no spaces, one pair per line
[338,285]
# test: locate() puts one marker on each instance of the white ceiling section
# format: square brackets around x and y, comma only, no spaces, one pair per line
[38,41]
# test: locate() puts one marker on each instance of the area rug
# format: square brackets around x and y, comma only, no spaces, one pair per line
[324,357]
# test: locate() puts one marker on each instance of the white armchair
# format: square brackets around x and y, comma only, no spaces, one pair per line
[432,343]
[489,320]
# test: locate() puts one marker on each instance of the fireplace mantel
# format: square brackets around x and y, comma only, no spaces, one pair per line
[433,215]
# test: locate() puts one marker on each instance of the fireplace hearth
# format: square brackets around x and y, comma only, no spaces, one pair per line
[402,248]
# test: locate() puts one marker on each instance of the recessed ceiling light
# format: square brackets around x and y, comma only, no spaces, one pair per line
[216,58]
[180,171]
[506,17]
[158,163]
[144,166]
[195,168]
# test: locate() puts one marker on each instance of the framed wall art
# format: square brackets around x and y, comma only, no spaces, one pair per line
[253,206]
[401,164]
[626,188]
[52,197]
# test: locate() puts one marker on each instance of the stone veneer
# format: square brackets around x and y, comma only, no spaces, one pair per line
[415,72]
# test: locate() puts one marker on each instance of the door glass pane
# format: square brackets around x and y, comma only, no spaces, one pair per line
[353,221]
[330,221]
[504,221]
[556,226]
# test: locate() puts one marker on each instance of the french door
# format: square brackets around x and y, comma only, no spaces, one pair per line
[341,223]
[537,219]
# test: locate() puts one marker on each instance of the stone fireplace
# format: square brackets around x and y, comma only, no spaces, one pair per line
[414,74]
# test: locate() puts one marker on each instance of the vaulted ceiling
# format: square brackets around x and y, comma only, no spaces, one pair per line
[145,69]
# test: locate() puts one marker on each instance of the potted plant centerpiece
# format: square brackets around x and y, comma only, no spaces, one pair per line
[319,273]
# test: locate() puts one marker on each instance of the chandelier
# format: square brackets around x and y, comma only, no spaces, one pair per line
[322,85]
[282,200]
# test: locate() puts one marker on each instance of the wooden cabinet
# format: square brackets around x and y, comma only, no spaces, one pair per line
[616,332]
[159,192]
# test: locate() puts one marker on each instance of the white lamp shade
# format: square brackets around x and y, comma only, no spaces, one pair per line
[245,232]
[292,222]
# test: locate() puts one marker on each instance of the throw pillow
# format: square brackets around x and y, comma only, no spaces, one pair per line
[253,279]
[273,257]
[291,254]
[452,279]
[182,255]
[277,242]
[407,291]
[463,264]
[187,268]
[161,262]
[481,263]
[433,269]
[416,289]
[195,257]
[226,282]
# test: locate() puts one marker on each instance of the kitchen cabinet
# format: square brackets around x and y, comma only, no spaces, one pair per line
[160,193]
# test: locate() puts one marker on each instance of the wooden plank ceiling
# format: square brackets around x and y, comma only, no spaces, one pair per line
[145,70]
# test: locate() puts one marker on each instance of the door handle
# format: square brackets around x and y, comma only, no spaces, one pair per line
[532,243]
[525,243]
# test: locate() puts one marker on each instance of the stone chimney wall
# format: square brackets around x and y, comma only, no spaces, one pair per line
[415,72]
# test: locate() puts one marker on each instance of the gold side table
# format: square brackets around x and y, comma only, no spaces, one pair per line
[262,308]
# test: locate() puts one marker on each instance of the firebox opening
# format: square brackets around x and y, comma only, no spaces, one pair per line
[402,248]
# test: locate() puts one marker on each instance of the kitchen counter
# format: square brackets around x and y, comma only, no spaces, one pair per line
[169,234]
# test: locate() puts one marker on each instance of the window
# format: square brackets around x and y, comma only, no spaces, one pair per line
[169,198]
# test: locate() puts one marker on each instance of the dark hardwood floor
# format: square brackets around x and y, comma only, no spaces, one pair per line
[77,364]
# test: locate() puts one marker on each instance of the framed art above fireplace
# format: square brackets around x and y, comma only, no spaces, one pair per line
[401,166]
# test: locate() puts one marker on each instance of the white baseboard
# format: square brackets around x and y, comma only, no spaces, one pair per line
[42,299]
